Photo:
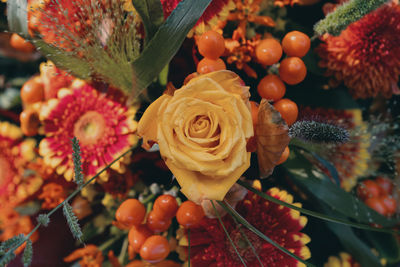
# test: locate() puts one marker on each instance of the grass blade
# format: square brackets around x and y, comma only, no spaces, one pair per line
[313,213]
[243,221]
[227,234]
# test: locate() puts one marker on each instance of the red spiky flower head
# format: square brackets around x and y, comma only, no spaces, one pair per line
[211,247]
[366,55]
[104,127]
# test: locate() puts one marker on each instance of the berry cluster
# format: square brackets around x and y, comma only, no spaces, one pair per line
[378,195]
[145,229]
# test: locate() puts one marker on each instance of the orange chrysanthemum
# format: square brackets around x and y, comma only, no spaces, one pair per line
[104,127]
[90,256]
[282,3]
[366,55]
[216,11]
[15,154]
[210,246]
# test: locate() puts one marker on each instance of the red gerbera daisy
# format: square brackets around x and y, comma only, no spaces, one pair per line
[366,56]
[210,246]
[15,154]
[104,128]
[217,10]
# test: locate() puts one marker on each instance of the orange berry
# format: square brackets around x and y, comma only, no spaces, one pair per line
[32,91]
[288,110]
[385,184]
[390,205]
[254,112]
[296,44]
[268,51]
[376,204]
[292,70]
[155,249]
[29,119]
[189,214]
[284,156]
[166,206]
[158,223]
[211,44]
[131,212]
[207,65]
[20,44]
[137,235]
[271,87]
[368,189]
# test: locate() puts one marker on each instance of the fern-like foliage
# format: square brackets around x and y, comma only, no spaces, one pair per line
[43,219]
[72,221]
[28,252]
[76,157]
[347,13]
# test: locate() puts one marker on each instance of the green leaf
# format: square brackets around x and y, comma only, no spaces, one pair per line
[17,17]
[65,60]
[152,15]
[309,177]
[387,245]
[318,215]
[355,246]
[29,208]
[166,42]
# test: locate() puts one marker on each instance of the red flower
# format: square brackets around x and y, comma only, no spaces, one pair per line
[216,11]
[104,128]
[210,246]
[366,56]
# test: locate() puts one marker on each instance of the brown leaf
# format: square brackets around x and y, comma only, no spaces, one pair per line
[272,137]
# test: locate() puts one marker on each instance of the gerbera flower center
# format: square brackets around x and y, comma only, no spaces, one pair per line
[90,128]
[242,239]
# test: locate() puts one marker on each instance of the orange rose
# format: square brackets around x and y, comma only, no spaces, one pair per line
[202,132]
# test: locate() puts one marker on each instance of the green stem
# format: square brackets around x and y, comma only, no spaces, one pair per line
[70,197]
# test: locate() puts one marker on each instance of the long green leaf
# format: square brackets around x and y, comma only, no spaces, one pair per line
[313,213]
[387,245]
[17,17]
[166,42]
[355,246]
[152,15]
[243,221]
[310,178]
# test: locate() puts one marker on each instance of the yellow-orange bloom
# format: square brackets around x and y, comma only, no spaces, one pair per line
[202,131]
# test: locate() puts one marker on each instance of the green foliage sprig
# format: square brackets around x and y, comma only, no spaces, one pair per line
[28,252]
[72,221]
[345,14]
[76,158]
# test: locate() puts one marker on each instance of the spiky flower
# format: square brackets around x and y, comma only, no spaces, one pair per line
[351,159]
[105,129]
[366,56]
[211,247]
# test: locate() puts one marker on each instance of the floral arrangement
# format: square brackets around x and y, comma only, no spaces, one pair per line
[199,133]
